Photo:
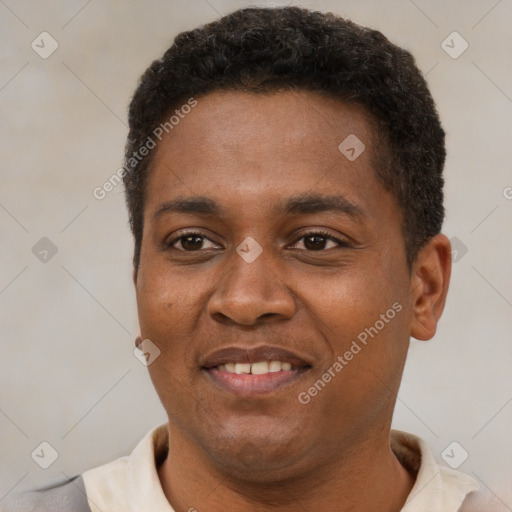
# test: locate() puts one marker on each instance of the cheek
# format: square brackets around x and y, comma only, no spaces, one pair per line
[162,301]
[170,308]
[166,315]
[362,316]
[350,299]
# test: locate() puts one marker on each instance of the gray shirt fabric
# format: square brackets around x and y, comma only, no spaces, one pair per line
[68,496]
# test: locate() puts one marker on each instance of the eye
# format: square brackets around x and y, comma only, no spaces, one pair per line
[319,241]
[313,241]
[191,241]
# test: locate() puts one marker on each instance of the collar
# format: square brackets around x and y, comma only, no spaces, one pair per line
[131,483]
[436,487]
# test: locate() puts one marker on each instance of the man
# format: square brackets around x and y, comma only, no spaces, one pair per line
[283,177]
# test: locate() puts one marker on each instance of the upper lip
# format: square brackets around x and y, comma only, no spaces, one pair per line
[235,354]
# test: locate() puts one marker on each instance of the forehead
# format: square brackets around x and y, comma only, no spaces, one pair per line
[236,146]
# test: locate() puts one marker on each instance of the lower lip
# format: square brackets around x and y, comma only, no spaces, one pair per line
[247,384]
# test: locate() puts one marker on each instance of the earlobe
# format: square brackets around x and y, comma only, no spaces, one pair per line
[430,279]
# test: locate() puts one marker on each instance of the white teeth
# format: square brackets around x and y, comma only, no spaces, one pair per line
[242,368]
[274,366]
[258,368]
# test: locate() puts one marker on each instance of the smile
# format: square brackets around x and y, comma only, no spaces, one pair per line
[254,371]
[247,384]
[259,368]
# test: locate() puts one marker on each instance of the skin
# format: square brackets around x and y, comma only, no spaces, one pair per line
[250,154]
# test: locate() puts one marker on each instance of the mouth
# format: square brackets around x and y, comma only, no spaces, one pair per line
[256,371]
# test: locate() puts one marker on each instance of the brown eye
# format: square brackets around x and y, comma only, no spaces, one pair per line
[318,241]
[315,242]
[191,242]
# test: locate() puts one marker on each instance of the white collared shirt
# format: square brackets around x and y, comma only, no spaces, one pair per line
[131,483]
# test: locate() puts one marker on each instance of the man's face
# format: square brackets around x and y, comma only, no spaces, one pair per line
[331,267]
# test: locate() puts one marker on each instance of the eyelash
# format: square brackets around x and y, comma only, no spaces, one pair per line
[321,232]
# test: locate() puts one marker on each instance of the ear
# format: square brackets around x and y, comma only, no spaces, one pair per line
[430,279]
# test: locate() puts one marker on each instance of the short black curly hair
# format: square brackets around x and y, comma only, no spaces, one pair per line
[263,50]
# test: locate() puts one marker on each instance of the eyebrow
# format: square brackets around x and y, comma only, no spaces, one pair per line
[297,205]
[314,203]
[194,205]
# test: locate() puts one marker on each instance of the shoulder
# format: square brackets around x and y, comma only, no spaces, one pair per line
[68,496]
[115,485]
[130,482]
[483,501]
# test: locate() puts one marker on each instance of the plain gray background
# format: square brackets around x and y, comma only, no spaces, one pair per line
[68,375]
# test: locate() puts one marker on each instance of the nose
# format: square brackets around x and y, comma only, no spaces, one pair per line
[249,293]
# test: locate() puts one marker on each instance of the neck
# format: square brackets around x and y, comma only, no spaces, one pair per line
[366,476]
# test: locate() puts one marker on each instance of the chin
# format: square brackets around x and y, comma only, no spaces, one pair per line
[260,455]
